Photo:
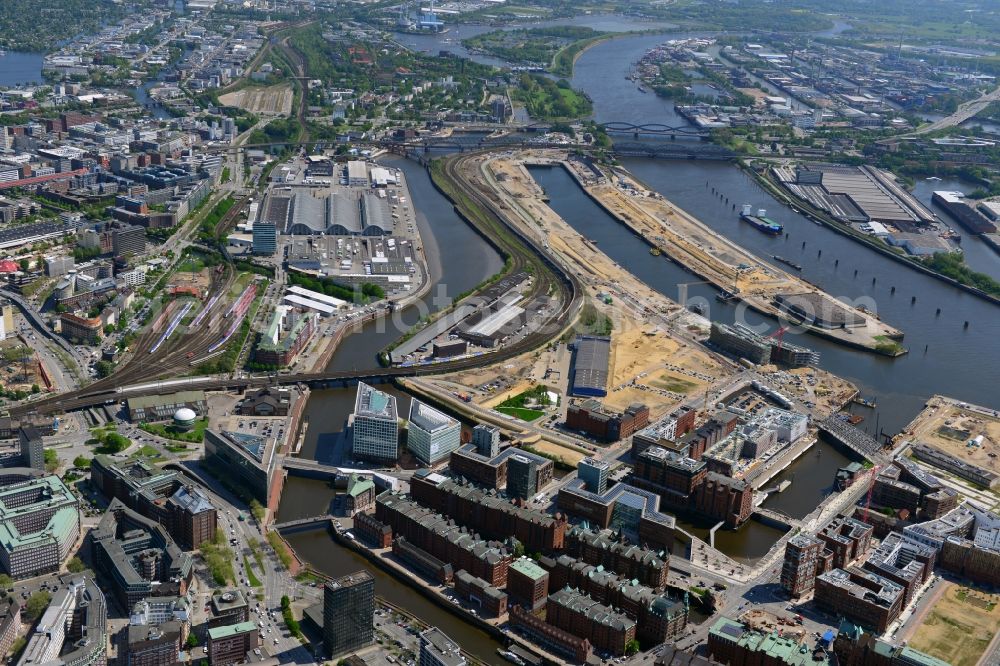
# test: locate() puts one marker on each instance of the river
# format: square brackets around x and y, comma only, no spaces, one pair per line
[18,68]
[959,362]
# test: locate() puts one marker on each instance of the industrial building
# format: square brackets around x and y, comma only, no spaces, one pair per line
[589,373]
[39,525]
[527,584]
[855,194]
[817,309]
[373,425]
[137,558]
[492,602]
[299,212]
[431,435]
[348,613]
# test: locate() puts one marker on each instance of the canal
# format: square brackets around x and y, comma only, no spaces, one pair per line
[319,549]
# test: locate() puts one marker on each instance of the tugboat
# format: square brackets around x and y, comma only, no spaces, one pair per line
[760,221]
[787,262]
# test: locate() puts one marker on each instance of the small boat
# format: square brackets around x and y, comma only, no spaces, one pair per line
[655,251]
[725,296]
[641,89]
[760,221]
[510,656]
[697,308]
[787,262]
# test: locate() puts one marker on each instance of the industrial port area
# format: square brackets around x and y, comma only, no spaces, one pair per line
[474,333]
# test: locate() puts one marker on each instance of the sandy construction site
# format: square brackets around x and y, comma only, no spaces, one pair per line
[966,431]
[698,248]
[270,101]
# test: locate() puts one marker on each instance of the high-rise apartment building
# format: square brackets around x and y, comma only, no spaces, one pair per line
[348,613]
[374,429]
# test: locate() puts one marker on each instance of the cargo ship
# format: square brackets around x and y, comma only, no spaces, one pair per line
[787,262]
[760,221]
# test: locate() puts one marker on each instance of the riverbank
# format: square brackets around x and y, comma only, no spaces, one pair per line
[803,207]
[731,269]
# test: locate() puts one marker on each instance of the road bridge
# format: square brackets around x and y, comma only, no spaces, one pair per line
[856,440]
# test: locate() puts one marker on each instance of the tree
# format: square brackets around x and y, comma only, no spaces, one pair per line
[25,264]
[36,605]
[6,582]
[518,549]
[75,565]
[35,388]
[192,640]
[632,647]
[51,460]
[82,462]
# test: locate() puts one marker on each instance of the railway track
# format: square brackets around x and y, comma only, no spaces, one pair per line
[470,202]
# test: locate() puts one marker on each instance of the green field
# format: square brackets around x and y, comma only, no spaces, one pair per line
[546,99]
[522,413]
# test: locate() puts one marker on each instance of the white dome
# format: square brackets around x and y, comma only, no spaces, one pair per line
[185,414]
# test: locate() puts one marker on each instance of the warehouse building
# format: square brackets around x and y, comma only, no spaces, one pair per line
[589,374]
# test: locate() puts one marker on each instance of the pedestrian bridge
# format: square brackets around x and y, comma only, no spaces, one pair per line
[780,518]
[312,521]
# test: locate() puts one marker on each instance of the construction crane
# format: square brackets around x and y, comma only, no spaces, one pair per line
[871,487]
[779,335]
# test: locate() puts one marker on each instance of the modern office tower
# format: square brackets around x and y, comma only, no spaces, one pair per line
[432,435]
[374,429]
[522,477]
[348,613]
[265,238]
[594,473]
[128,240]
[486,439]
[436,649]
[39,524]
[32,449]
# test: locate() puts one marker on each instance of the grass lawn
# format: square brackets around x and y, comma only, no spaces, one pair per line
[169,431]
[254,581]
[675,385]
[959,627]
[149,452]
[521,413]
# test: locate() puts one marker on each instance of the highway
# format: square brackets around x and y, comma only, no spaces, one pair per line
[964,112]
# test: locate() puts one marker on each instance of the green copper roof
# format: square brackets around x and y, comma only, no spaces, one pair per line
[215,633]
